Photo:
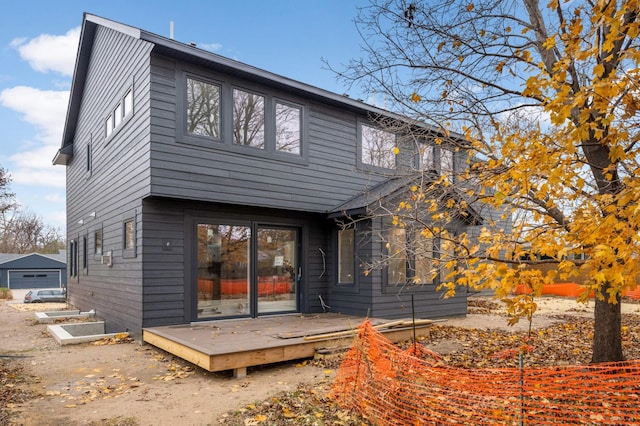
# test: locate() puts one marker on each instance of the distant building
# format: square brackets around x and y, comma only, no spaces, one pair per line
[28,271]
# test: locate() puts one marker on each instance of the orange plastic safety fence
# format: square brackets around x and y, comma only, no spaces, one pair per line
[390,386]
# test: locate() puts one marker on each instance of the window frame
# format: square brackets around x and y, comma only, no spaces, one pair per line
[89,157]
[85,254]
[129,218]
[361,124]
[204,139]
[353,247]
[118,117]
[97,254]
[73,258]
[423,148]
[410,238]
[264,145]
[226,141]
[300,109]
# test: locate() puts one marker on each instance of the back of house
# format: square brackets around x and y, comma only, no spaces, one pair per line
[200,188]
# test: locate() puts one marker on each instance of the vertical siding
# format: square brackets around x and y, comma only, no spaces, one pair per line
[118,181]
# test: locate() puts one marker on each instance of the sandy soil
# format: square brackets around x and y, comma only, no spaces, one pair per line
[88,384]
[138,384]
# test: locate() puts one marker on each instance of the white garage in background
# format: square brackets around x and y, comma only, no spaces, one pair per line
[22,271]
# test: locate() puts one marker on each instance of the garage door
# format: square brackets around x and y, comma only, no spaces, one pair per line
[33,279]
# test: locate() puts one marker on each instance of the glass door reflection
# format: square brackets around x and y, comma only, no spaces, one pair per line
[223,270]
[277,269]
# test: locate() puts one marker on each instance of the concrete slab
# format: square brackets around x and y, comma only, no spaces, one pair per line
[52,316]
[81,332]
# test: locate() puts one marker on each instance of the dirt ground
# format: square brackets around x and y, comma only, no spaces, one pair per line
[134,384]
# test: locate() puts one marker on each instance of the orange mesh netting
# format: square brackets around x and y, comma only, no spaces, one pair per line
[391,386]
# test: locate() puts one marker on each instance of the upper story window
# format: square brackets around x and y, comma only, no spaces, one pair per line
[89,159]
[121,113]
[288,127]
[426,157]
[203,108]
[376,147]
[248,118]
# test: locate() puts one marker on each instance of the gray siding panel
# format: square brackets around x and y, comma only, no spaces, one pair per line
[225,173]
[168,293]
[119,179]
[149,171]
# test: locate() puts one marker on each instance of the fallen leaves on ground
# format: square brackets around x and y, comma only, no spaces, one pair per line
[566,343]
[308,405]
[118,339]
[11,390]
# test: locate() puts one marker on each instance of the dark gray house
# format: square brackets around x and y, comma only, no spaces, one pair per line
[201,188]
[34,270]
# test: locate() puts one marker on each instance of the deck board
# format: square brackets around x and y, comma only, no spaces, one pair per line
[236,344]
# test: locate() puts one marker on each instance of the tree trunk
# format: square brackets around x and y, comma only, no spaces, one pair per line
[607,334]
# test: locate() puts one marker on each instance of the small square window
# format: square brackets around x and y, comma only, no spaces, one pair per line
[377,147]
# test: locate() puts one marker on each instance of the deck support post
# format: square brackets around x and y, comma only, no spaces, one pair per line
[240,373]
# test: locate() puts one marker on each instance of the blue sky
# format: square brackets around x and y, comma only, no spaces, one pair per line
[38,43]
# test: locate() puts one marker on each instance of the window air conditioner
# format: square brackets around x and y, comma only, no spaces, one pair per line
[106,259]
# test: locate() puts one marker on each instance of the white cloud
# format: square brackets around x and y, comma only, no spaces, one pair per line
[34,167]
[45,109]
[212,47]
[55,198]
[50,52]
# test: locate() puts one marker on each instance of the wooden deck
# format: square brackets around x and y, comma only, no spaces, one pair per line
[241,343]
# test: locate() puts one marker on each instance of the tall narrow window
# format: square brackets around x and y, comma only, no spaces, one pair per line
[288,128]
[89,157]
[421,259]
[426,157]
[129,234]
[117,115]
[397,265]
[85,253]
[203,108]
[377,147]
[447,163]
[98,242]
[128,103]
[248,118]
[108,125]
[73,258]
[346,256]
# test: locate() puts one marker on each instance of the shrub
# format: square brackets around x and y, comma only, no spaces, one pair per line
[5,293]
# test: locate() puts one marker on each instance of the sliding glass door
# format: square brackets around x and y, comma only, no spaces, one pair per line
[224,253]
[278,270]
[246,270]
